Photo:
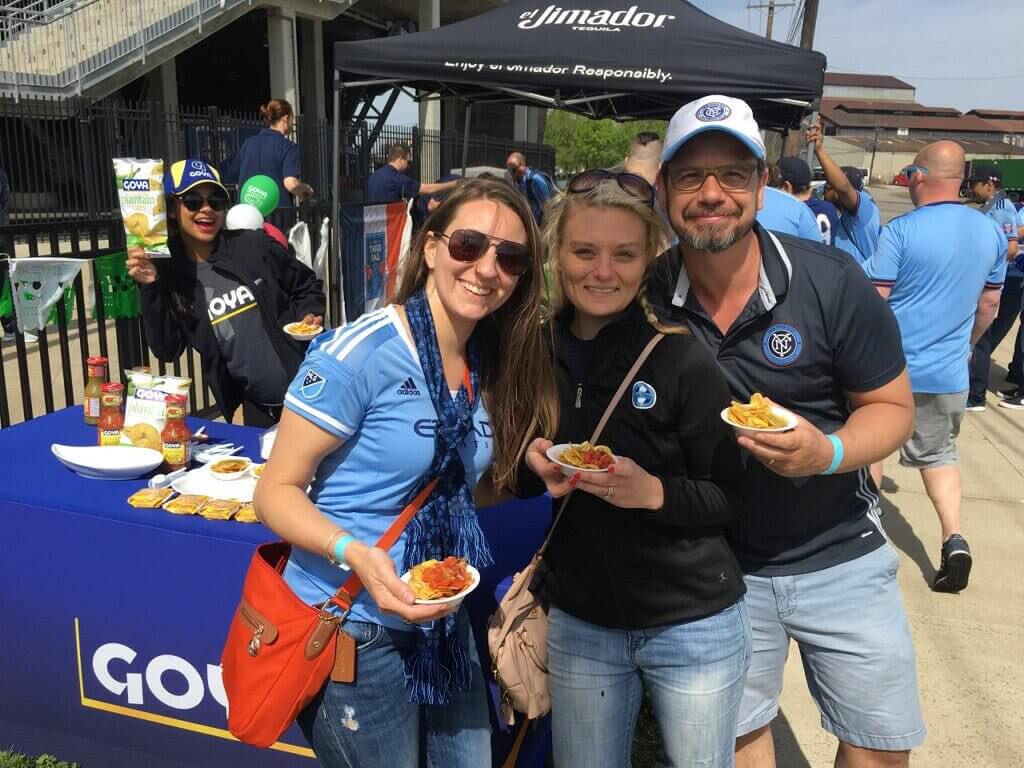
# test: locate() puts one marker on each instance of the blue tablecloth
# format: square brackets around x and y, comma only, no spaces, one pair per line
[113,618]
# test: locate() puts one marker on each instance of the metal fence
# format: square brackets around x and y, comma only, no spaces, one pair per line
[57,154]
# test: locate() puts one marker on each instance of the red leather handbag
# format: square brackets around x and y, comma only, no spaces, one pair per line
[279,650]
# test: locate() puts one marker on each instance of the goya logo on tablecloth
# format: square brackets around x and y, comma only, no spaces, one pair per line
[115,678]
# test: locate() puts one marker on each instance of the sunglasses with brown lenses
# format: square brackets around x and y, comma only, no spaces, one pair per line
[468,245]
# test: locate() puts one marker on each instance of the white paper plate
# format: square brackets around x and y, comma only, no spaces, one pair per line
[113,462]
[454,600]
[202,482]
[568,469]
[301,336]
[779,411]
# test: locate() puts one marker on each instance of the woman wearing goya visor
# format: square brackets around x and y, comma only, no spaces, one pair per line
[230,298]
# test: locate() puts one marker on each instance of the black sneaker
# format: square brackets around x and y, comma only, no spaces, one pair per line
[1016,403]
[955,569]
[1012,392]
[975,405]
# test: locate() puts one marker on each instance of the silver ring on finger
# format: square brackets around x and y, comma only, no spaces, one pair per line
[608,493]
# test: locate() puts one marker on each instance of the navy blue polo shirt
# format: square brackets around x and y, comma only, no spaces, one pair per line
[815,329]
[269,153]
[389,185]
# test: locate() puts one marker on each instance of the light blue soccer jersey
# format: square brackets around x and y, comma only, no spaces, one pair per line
[1004,214]
[363,384]
[857,234]
[936,260]
[784,213]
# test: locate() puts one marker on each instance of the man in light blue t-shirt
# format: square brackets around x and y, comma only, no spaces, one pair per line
[941,266]
[985,184]
[784,213]
[860,222]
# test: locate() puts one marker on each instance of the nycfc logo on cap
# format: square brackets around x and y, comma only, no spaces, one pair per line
[713,111]
[312,385]
[782,344]
[644,396]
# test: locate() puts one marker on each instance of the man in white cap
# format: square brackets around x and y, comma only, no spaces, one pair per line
[800,323]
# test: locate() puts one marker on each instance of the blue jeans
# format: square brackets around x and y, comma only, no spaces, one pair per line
[371,724]
[981,355]
[693,672]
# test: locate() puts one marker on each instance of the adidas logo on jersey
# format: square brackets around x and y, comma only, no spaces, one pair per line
[408,388]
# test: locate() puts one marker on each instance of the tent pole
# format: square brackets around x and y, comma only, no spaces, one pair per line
[465,137]
[335,228]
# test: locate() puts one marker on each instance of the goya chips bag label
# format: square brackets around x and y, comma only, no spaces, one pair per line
[140,190]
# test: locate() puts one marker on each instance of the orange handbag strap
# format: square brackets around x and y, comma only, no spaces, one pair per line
[347,592]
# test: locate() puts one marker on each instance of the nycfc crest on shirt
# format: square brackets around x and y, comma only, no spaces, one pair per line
[782,344]
[644,396]
[713,111]
[312,385]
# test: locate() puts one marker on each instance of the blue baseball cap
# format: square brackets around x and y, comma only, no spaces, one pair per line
[187,174]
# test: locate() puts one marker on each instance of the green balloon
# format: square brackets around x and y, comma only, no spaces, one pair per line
[262,192]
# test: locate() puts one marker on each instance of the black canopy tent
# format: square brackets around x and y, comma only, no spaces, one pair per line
[602,58]
[608,59]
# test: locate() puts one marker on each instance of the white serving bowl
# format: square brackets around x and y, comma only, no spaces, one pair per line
[112,462]
[568,469]
[454,601]
[777,410]
[301,336]
[225,476]
[201,482]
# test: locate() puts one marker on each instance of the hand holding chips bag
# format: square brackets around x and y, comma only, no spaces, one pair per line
[140,191]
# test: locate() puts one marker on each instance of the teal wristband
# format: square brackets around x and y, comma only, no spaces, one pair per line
[837,455]
[339,551]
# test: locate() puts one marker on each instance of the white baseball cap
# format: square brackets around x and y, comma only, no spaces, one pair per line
[713,113]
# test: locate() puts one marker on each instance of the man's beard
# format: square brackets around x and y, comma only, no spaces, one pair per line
[713,239]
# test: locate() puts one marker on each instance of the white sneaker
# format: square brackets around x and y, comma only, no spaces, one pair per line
[30,338]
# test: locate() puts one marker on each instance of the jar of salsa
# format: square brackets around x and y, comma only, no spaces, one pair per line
[111,419]
[97,368]
[176,439]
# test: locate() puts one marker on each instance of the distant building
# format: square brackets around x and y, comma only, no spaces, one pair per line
[884,106]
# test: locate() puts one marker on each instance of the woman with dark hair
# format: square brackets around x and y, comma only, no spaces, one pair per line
[445,384]
[642,589]
[228,297]
[271,153]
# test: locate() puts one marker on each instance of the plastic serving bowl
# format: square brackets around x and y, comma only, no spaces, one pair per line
[568,469]
[454,601]
[779,411]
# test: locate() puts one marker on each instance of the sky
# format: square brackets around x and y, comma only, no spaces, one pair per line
[956,53]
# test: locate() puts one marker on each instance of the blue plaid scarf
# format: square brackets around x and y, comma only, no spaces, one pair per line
[447,523]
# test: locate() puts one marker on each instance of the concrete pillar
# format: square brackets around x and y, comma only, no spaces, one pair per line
[520,122]
[163,84]
[311,75]
[284,81]
[430,111]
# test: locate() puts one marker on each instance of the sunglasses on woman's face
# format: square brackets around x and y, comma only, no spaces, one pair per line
[194,201]
[468,245]
[637,186]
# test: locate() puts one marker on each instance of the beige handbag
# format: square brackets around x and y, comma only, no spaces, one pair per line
[517,634]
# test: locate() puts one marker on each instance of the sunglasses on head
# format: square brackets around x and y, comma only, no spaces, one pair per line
[468,245]
[194,201]
[637,186]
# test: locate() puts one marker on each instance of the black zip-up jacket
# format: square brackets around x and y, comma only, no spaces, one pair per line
[637,568]
[174,307]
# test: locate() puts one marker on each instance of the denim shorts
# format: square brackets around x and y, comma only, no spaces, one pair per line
[371,723]
[849,624]
[937,420]
[692,671]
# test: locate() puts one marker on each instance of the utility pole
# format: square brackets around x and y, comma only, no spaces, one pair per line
[810,21]
[771,6]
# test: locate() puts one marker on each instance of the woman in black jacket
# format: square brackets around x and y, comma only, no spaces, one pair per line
[642,589]
[227,295]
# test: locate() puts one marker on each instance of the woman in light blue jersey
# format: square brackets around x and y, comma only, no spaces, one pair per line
[444,384]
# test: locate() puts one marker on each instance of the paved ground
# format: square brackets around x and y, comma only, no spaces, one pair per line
[970,652]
